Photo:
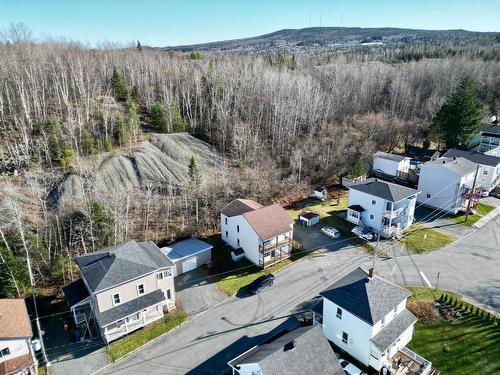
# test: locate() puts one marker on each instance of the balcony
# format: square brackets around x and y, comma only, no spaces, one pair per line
[407,362]
[392,214]
[274,245]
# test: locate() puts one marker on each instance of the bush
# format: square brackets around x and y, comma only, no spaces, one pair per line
[423,310]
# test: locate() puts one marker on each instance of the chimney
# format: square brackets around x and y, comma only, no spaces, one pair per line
[371,273]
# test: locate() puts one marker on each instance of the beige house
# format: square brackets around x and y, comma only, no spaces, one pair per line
[123,288]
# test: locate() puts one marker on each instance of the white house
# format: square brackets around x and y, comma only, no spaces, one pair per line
[486,139]
[366,316]
[391,164]
[488,176]
[264,233]
[320,193]
[16,350]
[381,206]
[445,183]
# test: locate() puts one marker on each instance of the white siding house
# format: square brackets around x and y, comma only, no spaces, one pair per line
[366,316]
[381,206]
[264,233]
[391,164]
[444,183]
[486,139]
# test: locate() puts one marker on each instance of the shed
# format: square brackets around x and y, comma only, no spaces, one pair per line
[320,193]
[189,254]
[308,219]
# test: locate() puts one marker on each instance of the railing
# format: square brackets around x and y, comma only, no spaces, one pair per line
[391,214]
[274,245]
[131,326]
[425,365]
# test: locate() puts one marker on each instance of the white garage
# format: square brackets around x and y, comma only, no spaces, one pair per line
[189,265]
[188,255]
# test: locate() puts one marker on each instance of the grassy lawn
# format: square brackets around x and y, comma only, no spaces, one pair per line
[421,239]
[474,342]
[122,347]
[482,209]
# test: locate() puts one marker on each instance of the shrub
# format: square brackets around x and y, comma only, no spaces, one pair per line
[423,310]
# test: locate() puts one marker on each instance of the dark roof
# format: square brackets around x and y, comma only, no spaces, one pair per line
[368,299]
[385,190]
[75,292]
[420,152]
[356,207]
[269,221]
[490,129]
[117,264]
[130,307]
[308,215]
[239,207]
[185,248]
[459,165]
[392,331]
[311,354]
[474,157]
[388,156]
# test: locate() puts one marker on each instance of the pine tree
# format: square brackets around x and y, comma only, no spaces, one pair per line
[118,84]
[359,169]
[139,46]
[178,122]
[459,117]
[134,94]
[158,117]
[194,172]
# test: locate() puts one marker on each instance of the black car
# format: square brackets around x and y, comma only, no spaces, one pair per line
[262,282]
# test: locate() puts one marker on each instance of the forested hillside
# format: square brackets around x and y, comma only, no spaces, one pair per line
[88,158]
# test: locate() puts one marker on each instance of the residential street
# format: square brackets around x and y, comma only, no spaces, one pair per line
[205,344]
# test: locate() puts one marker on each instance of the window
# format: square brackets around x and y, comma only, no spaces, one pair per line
[225,220]
[167,273]
[485,172]
[140,289]
[388,206]
[133,318]
[238,241]
[428,195]
[339,313]
[4,352]
[116,299]
[345,337]
[159,276]
[238,228]
[227,234]
[169,294]
[371,217]
[119,322]
[374,202]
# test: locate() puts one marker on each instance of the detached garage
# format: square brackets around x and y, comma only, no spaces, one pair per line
[189,254]
[308,219]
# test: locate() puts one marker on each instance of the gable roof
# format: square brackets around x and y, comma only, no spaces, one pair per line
[368,299]
[458,165]
[185,248]
[490,129]
[308,215]
[120,263]
[388,156]
[311,354]
[269,221]
[385,190]
[14,319]
[239,207]
[421,153]
[394,329]
[474,157]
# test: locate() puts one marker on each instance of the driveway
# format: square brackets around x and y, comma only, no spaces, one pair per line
[196,292]
[312,238]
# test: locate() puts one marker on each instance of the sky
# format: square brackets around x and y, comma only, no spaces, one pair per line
[178,22]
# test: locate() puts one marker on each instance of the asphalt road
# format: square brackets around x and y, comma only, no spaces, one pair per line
[206,343]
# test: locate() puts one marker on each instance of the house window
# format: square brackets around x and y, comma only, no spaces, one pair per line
[116,299]
[159,276]
[345,337]
[339,313]
[238,228]
[371,217]
[485,172]
[225,220]
[374,202]
[167,273]
[388,206]
[227,234]
[134,317]
[169,294]
[140,289]
[238,241]
[428,195]
[119,322]
[4,352]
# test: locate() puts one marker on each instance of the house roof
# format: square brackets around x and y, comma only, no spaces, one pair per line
[392,331]
[239,207]
[308,215]
[75,292]
[474,157]
[388,156]
[385,190]
[16,365]
[14,319]
[368,299]
[490,129]
[185,248]
[117,264]
[269,221]
[459,165]
[131,307]
[356,207]
[311,354]
[420,152]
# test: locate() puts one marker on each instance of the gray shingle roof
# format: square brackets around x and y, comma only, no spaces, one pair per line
[385,190]
[493,129]
[461,166]
[388,156]
[356,207]
[130,307]
[185,248]
[308,215]
[239,207]
[474,157]
[312,354]
[75,292]
[369,300]
[117,264]
[390,333]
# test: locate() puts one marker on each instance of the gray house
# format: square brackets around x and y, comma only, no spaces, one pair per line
[123,288]
[188,254]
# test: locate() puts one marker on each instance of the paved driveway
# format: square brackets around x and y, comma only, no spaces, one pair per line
[313,238]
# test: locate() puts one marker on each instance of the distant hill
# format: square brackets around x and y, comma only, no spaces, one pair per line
[338,37]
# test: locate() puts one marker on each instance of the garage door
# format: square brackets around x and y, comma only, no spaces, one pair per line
[189,265]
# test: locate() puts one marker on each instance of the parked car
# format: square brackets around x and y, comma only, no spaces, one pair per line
[331,232]
[260,283]
[349,368]
[362,233]
[485,193]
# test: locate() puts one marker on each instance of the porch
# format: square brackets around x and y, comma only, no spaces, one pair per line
[407,362]
[275,251]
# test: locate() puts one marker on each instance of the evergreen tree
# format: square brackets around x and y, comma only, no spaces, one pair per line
[134,123]
[123,130]
[14,278]
[139,46]
[118,84]
[178,122]
[134,94]
[195,55]
[68,156]
[194,173]
[158,117]
[459,117]
[359,169]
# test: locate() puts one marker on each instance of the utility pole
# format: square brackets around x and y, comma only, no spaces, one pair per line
[471,194]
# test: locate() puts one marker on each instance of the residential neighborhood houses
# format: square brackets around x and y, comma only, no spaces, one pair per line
[392,165]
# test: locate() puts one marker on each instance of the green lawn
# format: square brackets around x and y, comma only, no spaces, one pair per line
[482,209]
[122,347]
[421,239]
[474,341]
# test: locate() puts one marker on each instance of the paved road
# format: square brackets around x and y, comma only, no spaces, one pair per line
[204,345]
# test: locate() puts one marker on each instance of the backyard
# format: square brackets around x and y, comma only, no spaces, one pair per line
[481,210]
[422,239]
[466,345]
